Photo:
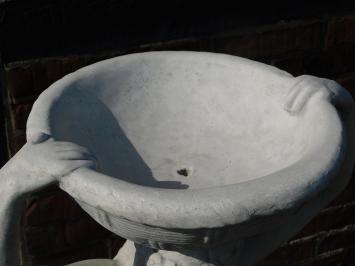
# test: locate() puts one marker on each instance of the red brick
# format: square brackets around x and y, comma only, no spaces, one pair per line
[321,63]
[40,78]
[58,68]
[322,222]
[54,70]
[344,59]
[340,31]
[115,244]
[91,250]
[83,230]
[59,206]
[179,45]
[338,214]
[350,256]
[45,210]
[295,252]
[292,63]
[76,63]
[348,195]
[71,209]
[338,238]
[99,249]
[277,40]
[17,140]
[346,216]
[19,82]
[67,66]
[45,240]
[19,115]
[47,192]
[348,82]
[330,63]
[332,258]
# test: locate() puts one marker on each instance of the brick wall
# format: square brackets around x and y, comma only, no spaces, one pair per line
[57,231]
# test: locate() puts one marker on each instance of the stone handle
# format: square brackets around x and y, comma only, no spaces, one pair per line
[307,86]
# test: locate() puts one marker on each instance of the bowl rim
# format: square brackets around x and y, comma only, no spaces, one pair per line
[233,204]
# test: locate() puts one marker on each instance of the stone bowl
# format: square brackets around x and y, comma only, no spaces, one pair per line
[199,151]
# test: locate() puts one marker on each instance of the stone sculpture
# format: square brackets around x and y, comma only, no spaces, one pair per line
[195,158]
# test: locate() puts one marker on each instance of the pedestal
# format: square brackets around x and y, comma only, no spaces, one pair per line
[132,254]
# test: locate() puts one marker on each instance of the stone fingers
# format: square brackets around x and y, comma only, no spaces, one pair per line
[39,138]
[302,91]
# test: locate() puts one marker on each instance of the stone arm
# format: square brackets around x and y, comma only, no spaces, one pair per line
[10,213]
[39,163]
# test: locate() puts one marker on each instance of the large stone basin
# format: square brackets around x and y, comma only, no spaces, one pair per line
[202,158]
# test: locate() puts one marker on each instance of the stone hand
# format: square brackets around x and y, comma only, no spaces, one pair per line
[43,161]
[307,86]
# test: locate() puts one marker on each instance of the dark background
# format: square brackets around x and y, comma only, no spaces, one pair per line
[41,41]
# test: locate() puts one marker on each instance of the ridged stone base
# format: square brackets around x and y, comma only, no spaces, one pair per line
[132,254]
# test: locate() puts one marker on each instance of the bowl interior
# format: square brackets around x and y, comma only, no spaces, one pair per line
[178,121]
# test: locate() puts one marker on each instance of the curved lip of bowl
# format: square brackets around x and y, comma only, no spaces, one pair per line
[233,204]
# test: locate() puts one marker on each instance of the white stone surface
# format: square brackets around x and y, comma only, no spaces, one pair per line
[200,158]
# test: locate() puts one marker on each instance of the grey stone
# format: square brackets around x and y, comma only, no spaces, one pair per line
[194,158]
